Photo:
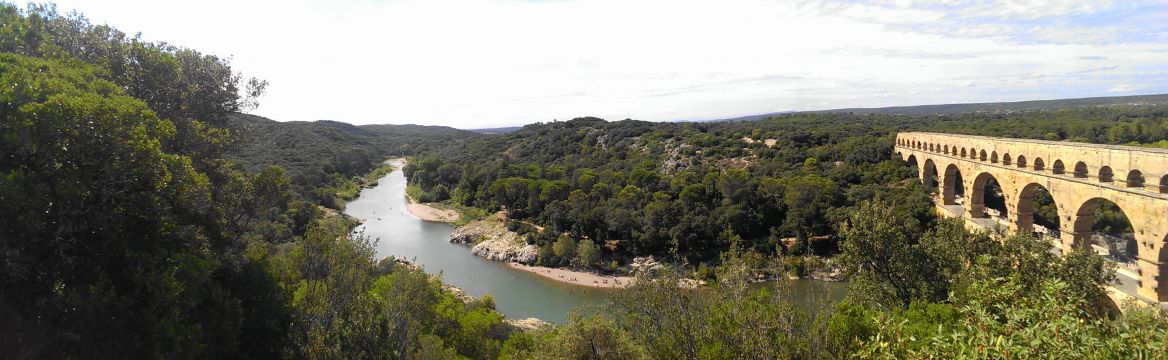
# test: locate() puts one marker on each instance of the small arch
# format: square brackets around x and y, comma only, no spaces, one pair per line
[1164,186]
[1135,179]
[1021,161]
[1105,174]
[973,154]
[962,152]
[1080,170]
[929,147]
[1038,165]
[946,149]
[1058,167]
[1006,160]
[994,157]
[983,156]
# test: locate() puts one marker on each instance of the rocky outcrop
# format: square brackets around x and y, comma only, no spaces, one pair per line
[829,272]
[458,293]
[528,324]
[492,240]
[645,264]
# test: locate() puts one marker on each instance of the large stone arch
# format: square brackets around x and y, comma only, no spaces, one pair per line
[1085,218]
[977,198]
[953,185]
[1081,222]
[929,176]
[1027,208]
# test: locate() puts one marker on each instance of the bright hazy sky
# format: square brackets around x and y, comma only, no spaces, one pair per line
[473,64]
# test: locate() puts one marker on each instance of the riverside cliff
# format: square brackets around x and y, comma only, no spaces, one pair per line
[492,240]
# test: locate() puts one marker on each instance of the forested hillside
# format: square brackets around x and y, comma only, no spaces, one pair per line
[141,216]
[647,188]
[329,154]
[998,107]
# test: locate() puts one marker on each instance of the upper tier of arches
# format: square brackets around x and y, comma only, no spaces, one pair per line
[1128,167]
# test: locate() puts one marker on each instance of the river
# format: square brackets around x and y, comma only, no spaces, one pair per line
[517,294]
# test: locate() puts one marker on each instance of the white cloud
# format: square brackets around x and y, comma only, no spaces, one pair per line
[483,63]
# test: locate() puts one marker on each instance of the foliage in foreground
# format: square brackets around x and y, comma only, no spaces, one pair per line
[986,298]
[986,302]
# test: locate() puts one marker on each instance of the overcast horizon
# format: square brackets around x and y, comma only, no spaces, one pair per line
[487,63]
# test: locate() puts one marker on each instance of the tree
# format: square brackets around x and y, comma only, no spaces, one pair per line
[564,247]
[109,242]
[591,337]
[878,252]
[588,253]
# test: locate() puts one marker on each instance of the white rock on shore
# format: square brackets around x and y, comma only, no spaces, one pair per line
[645,264]
[493,241]
[528,324]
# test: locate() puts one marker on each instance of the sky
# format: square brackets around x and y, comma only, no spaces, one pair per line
[490,63]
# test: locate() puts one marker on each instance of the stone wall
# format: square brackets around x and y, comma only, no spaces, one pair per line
[1021,167]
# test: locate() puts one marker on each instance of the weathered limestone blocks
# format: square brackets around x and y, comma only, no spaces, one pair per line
[1079,178]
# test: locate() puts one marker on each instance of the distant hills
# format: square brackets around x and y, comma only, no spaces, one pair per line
[1006,107]
[309,151]
[938,109]
[498,130]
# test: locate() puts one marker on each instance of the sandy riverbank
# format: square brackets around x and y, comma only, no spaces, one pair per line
[430,213]
[576,277]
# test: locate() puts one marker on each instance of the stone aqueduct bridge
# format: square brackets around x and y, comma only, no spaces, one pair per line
[1078,176]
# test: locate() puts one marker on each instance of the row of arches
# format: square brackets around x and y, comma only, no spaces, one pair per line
[1097,221]
[1135,178]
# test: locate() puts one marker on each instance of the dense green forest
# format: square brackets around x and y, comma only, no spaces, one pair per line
[659,189]
[124,233]
[141,216]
